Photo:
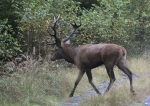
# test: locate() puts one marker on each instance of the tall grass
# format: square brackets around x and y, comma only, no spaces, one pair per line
[36,84]
[39,84]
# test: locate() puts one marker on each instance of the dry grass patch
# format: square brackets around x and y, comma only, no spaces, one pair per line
[35,84]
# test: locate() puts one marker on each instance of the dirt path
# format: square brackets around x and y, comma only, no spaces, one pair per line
[147,101]
[75,101]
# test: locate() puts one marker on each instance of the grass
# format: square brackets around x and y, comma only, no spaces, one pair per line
[34,85]
[40,85]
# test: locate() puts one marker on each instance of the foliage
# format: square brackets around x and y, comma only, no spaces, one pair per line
[10,33]
[124,22]
[36,18]
[104,23]
[138,13]
[117,22]
[9,46]
[88,4]
[11,10]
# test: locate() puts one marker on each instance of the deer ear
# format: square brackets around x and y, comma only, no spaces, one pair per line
[67,42]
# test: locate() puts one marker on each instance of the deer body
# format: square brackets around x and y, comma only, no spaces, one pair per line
[89,56]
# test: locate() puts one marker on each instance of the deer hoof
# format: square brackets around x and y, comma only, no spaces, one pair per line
[133,92]
[71,95]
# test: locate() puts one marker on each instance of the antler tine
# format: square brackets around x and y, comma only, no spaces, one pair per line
[50,43]
[54,26]
[54,29]
[75,26]
[55,20]
[49,32]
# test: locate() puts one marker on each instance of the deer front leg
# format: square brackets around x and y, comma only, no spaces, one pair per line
[80,75]
[89,75]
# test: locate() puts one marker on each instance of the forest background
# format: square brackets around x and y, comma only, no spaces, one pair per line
[24,22]
[29,78]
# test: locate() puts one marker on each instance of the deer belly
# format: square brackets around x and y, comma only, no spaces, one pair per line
[94,65]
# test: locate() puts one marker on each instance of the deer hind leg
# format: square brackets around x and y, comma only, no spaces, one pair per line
[80,75]
[111,75]
[121,64]
[89,75]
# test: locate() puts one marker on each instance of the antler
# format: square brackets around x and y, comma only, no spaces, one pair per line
[54,29]
[75,26]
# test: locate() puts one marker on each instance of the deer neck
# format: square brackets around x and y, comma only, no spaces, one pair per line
[69,52]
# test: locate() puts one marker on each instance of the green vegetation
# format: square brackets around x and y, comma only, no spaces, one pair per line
[124,22]
[36,81]
[36,85]
[9,45]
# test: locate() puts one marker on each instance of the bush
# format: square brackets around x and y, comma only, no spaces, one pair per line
[9,45]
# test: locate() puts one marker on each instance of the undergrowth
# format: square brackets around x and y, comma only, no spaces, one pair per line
[34,84]
[39,84]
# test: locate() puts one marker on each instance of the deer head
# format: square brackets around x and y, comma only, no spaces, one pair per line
[58,51]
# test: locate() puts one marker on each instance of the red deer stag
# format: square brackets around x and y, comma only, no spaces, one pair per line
[89,56]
